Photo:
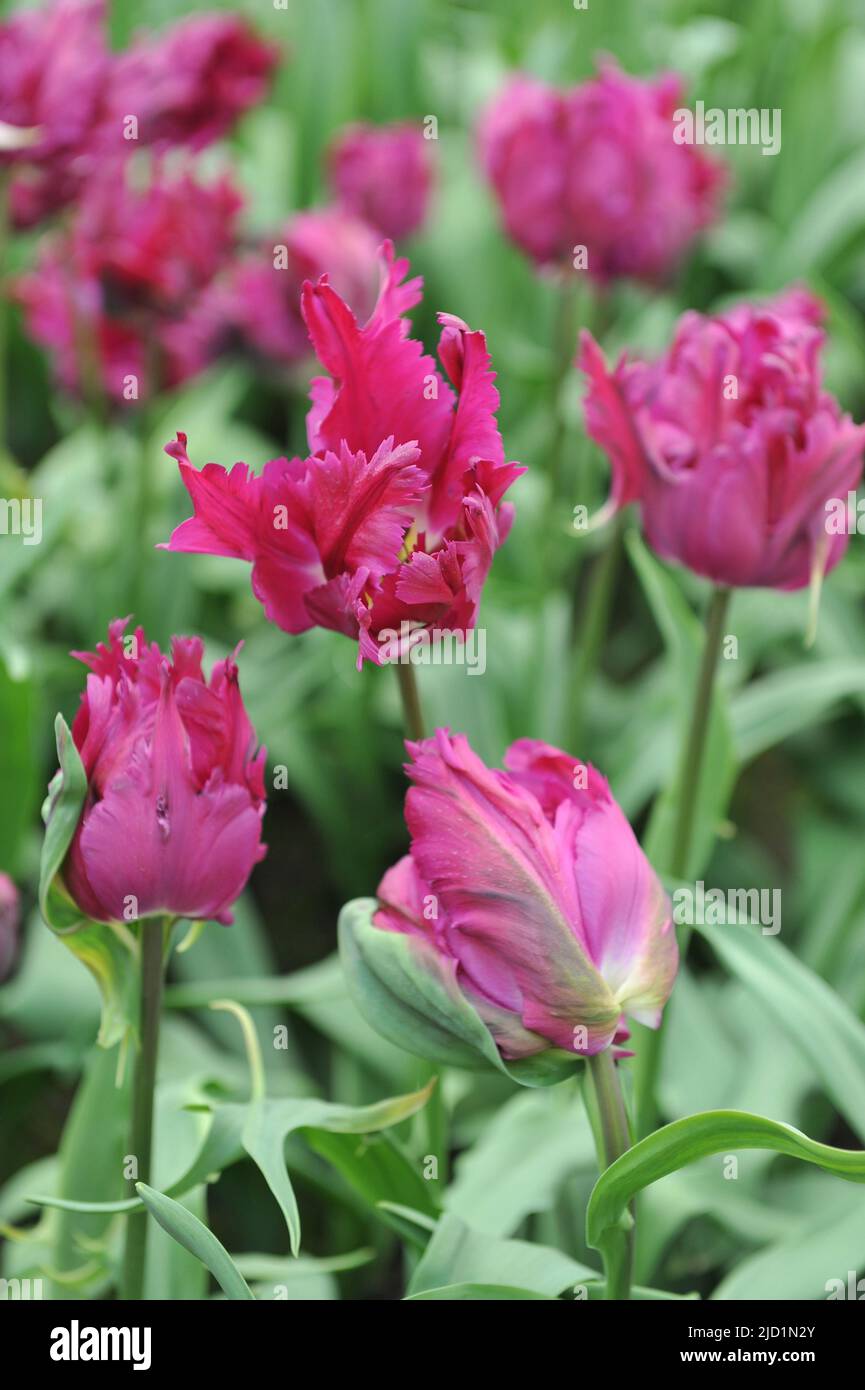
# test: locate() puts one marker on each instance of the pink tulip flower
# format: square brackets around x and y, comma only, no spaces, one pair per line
[54,67]
[10,920]
[107,293]
[596,166]
[189,84]
[175,789]
[383,174]
[396,515]
[530,887]
[730,445]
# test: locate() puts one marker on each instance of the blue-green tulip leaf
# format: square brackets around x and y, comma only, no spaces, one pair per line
[108,952]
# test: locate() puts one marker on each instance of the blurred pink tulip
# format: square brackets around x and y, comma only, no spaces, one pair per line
[54,67]
[596,166]
[108,291]
[175,799]
[383,174]
[10,921]
[729,443]
[254,307]
[530,885]
[188,84]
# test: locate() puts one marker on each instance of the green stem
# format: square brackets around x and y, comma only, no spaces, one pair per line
[145,492]
[141,1128]
[649,1052]
[564,346]
[612,1139]
[592,627]
[411,706]
[690,774]
[432,1121]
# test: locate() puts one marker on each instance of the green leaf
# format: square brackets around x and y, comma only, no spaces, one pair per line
[783,703]
[107,951]
[521,1158]
[194,1236]
[406,991]
[377,1168]
[18,772]
[816,1019]
[683,638]
[458,1255]
[696,1136]
[799,1267]
[270,1122]
[486,1293]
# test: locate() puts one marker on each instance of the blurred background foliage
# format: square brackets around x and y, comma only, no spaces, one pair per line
[524,1162]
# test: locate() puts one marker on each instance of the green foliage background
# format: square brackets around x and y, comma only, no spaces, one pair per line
[753,1023]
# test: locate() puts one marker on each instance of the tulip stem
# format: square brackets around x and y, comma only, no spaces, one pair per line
[648,1063]
[690,775]
[588,635]
[612,1139]
[564,346]
[153,937]
[411,706]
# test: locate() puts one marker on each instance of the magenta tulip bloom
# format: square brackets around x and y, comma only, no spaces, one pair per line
[175,789]
[54,66]
[189,84]
[596,166]
[530,887]
[383,174]
[396,515]
[730,445]
[10,918]
[125,274]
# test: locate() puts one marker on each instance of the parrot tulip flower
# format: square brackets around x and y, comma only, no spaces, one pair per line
[391,524]
[382,174]
[171,819]
[525,902]
[596,166]
[730,445]
[189,84]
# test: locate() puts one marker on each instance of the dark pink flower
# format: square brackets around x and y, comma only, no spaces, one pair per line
[10,921]
[189,84]
[530,886]
[255,306]
[730,444]
[172,820]
[396,515]
[128,269]
[54,66]
[383,174]
[596,166]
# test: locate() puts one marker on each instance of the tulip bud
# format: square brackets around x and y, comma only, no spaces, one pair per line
[525,922]
[157,808]
[382,174]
